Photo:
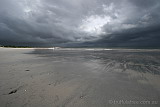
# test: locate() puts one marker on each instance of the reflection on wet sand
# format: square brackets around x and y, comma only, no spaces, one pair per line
[81,78]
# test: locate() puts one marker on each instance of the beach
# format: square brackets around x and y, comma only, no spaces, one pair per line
[79,77]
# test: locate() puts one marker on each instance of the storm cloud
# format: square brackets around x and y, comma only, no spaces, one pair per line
[80,22]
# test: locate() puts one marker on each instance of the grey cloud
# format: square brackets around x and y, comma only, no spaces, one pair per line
[80,22]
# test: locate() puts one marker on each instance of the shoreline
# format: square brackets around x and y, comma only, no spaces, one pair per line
[89,49]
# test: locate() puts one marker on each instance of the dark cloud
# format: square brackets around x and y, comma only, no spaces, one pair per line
[80,22]
[148,37]
[144,3]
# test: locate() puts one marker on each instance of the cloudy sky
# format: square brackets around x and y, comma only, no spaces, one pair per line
[80,22]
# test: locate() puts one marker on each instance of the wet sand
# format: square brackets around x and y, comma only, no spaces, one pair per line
[79,78]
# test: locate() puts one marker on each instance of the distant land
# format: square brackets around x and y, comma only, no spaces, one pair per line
[111,47]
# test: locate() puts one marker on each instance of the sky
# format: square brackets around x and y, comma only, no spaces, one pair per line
[97,23]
